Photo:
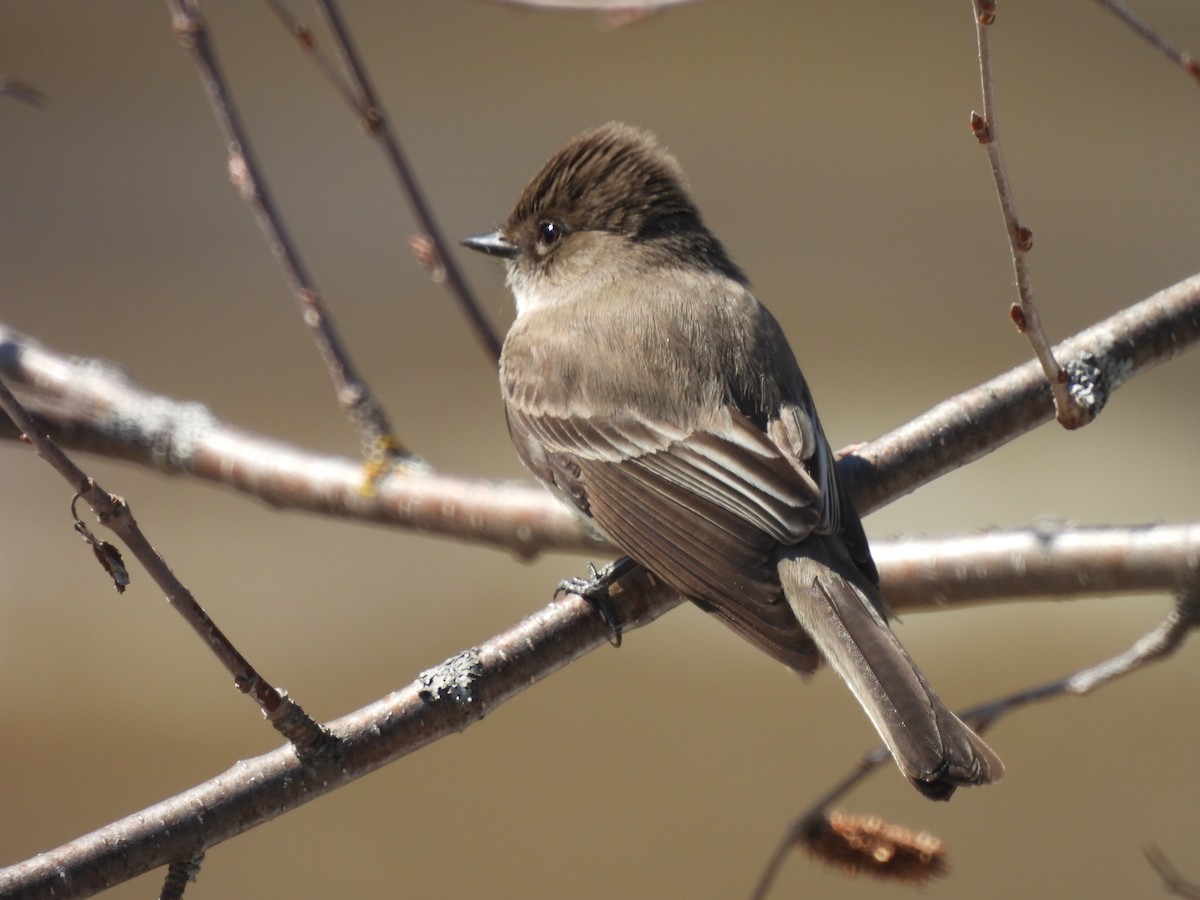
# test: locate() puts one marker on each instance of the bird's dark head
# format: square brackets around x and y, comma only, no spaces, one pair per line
[610,199]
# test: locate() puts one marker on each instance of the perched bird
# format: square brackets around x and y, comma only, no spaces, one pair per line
[644,383]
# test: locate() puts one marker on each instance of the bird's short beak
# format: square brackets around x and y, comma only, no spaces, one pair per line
[493,243]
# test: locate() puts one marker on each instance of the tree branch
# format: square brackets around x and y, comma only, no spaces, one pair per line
[441,701]
[972,424]
[284,715]
[1043,561]
[1071,405]
[95,406]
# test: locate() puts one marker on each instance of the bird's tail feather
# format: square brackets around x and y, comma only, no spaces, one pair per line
[844,614]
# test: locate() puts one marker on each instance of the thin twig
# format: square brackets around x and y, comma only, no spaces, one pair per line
[431,252]
[13,87]
[113,512]
[1173,882]
[379,444]
[803,824]
[1181,58]
[307,39]
[1151,647]
[438,257]
[1072,408]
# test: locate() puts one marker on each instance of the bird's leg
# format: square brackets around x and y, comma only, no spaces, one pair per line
[595,590]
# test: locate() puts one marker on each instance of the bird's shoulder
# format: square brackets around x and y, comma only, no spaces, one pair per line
[673,345]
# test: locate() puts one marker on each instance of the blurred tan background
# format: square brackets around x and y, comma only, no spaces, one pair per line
[827,143]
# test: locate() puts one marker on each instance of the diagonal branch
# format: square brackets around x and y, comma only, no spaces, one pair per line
[972,424]
[375,121]
[1142,29]
[284,715]
[440,702]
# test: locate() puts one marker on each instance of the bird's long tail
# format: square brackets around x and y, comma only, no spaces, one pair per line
[842,611]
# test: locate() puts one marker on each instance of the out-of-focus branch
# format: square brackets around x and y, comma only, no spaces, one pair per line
[431,249]
[1181,58]
[14,87]
[95,406]
[1173,882]
[379,444]
[376,124]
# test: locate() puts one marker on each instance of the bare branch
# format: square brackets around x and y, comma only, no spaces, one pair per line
[431,249]
[287,717]
[13,87]
[1151,647]
[972,424]
[379,444]
[1181,58]
[1072,403]
[1173,882]
[440,702]
[376,124]
[95,406]
[926,573]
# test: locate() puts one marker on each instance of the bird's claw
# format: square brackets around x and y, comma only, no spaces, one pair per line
[594,590]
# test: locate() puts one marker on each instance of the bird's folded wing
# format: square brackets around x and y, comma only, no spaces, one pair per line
[704,510]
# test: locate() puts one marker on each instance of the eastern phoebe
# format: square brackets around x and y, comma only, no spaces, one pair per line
[645,384]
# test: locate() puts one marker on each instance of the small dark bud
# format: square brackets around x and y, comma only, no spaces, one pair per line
[979,128]
[1018,316]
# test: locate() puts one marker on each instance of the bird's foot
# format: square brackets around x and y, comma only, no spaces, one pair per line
[595,590]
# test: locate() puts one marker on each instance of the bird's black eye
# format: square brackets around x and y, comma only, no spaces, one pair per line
[549,233]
